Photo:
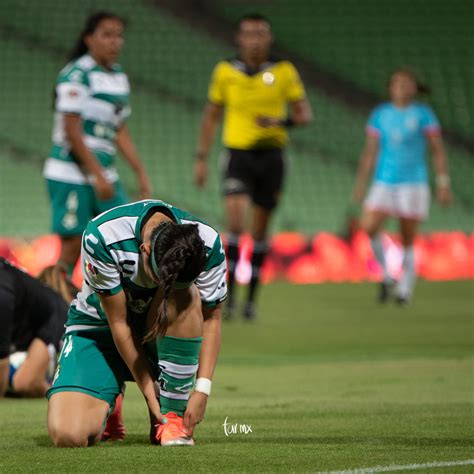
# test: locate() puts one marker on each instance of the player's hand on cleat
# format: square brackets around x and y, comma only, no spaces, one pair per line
[171,433]
[115,427]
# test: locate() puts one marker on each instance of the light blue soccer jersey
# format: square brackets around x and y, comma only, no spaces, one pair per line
[402,141]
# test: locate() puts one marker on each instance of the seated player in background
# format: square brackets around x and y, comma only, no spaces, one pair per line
[254,89]
[398,133]
[91,109]
[149,311]
[31,328]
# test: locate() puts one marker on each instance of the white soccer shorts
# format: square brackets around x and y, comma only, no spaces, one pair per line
[410,200]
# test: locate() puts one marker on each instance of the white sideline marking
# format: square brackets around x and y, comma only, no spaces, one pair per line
[403,467]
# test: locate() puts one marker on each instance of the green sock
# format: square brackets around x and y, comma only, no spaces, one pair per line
[178,361]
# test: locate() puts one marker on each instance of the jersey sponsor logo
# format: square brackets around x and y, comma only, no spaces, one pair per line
[127,267]
[90,269]
[90,238]
[412,123]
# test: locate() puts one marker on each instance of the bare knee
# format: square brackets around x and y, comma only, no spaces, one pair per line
[372,223]
[75,419]
[67,437]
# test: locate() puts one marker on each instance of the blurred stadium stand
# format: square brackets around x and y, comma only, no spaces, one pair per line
[345,50]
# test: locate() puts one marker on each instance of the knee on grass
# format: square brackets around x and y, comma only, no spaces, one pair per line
[72,436]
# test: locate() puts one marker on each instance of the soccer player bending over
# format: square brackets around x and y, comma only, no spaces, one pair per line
[149,311]
[32,321]
[398,133]
[254,89]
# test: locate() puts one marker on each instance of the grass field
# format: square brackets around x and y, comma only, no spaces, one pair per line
[326,379]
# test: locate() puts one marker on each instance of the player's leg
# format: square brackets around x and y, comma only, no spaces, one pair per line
[70,252]
[120,197]
[259,230]
[88,380]
[178,356]
[408,231]
[413,201]
[270,173]
[71,211]
[236,206]
[76,419]
[379,204]
[238,176]
[30,378]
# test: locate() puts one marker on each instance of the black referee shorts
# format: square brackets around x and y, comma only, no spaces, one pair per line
[258,173]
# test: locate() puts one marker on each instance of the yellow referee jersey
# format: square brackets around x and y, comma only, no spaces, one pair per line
[247,95]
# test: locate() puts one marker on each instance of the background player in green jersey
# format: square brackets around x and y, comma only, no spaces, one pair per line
[149,311]
[91,107]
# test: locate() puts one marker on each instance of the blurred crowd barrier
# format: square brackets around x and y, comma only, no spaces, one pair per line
[297,259]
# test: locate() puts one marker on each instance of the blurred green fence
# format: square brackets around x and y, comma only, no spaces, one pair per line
[169,58]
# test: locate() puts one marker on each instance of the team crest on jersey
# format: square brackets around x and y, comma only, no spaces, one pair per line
[90,269]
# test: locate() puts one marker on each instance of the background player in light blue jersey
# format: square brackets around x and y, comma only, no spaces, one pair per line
[398,134]
[91,109]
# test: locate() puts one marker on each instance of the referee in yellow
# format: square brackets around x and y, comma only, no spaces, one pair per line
[261,97]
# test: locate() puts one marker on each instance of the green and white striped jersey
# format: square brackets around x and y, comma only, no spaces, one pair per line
[112,261]
[101,98]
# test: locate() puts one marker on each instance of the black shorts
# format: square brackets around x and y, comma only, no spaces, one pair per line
[258,173]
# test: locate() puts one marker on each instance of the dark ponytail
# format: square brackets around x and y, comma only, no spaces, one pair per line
[90,26]
[179,256]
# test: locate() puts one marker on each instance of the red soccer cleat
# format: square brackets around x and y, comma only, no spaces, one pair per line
[115,427]
[172,433]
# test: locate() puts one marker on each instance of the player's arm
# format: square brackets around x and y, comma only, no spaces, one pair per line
[213,290]
[30,378]
[210,120]
[74,135]
[211,341]
[130,154]
[366,165]
[440,162]
[115,308]
[300,112]
[72,92]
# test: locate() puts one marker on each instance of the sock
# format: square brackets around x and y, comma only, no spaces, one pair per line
[407,281]
[377,248]
[260,249]
[232,259]
[178,361]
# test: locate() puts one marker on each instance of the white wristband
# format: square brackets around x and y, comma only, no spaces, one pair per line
[203,385]
[443,181]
